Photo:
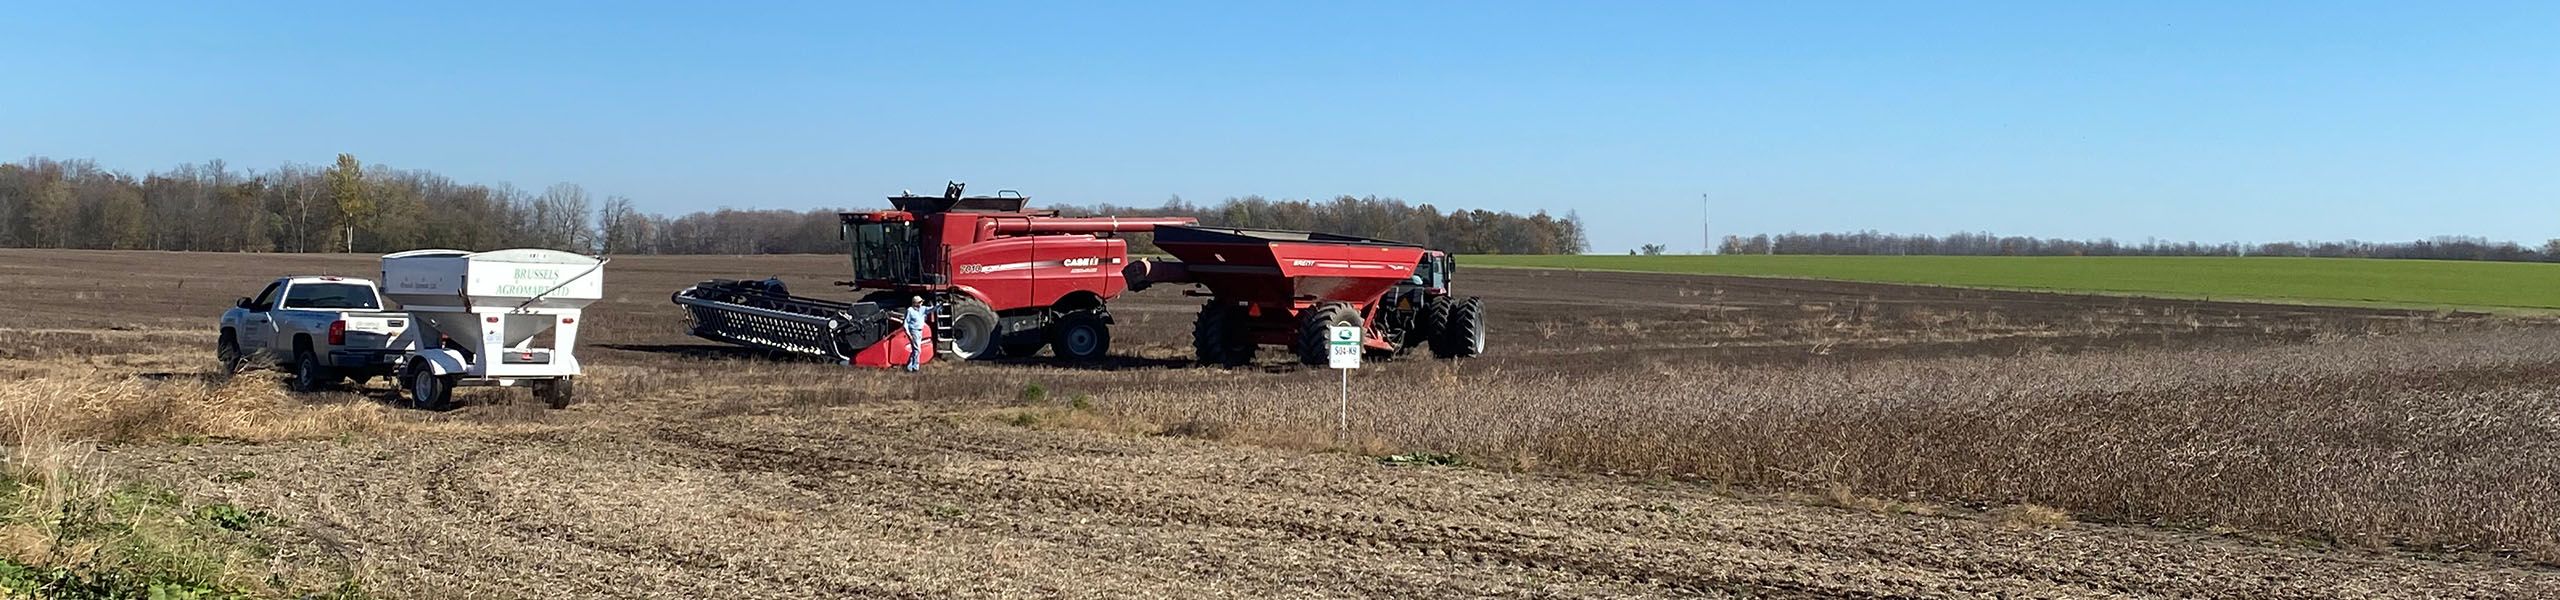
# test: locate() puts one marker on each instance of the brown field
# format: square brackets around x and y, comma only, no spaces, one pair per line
[1628,435]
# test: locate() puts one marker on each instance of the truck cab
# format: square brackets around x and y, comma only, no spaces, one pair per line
[324,329]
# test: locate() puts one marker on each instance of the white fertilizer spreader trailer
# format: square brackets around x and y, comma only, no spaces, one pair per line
[478,316]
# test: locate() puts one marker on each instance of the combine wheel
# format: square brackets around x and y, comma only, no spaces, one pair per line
[1463,337]
[1080,336]
[1313,327]
[1216,336]
[973,329]
[559,393]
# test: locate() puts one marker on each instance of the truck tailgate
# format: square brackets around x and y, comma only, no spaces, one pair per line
[376,330]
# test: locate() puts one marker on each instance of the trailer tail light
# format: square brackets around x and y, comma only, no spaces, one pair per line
[338,333]
[568,320]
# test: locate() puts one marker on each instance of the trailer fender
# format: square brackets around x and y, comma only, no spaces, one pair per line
[440,361]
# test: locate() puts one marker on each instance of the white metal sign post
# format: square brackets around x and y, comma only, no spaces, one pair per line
[1343,348]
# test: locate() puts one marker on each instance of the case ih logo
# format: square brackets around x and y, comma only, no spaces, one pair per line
[1081,262]
[1086,262]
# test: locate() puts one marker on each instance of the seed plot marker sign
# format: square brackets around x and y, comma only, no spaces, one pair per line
[1342,347]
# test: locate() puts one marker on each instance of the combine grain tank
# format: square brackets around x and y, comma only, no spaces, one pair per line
[481,318]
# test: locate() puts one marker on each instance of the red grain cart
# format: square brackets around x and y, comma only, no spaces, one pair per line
[1287,288]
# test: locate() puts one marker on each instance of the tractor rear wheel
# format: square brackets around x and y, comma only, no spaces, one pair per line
[1428,325]
[973,329]
[1080,336]
[1315,329]
[1463,337]
[1217,336]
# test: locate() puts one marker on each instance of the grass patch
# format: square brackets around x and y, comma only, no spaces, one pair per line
[2346,281]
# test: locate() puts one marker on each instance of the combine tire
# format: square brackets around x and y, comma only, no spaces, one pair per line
[1216,336]
[559,393]
[1313,327]
[1080,336]
[973,329]
[1463,337]
[311,376]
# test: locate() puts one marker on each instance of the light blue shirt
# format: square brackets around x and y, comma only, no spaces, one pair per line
[917,317]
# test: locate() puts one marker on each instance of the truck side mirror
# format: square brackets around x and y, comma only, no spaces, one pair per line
[243,302]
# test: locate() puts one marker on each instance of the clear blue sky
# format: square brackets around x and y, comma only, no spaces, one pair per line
[2211,121]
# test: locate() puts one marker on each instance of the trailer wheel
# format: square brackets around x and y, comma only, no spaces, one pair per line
[1080,336]
[973,329]
[427,390]
[1215,336]
[1463,337]
[1314,328]
[311,376]
[559,393]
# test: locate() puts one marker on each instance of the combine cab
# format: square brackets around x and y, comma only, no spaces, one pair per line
[1010,282]
[1286,288]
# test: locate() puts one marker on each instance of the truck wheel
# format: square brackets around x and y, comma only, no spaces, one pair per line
[428,391]
[1463,337]
[1080,336]
[311,376]
[559,393]
[973,330]
[229,353]
[1216,336]
[1314,326]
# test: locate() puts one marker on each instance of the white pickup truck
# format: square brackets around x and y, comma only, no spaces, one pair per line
[326,329]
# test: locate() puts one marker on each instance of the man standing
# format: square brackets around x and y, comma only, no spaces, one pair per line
[917,318]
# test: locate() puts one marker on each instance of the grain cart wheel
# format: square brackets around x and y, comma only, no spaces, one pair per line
[311,376]
[559,393]
[1463,337]
[228,351]
[1080,336]
[427,390]
[1216,336]
[973,329]
[1314,329]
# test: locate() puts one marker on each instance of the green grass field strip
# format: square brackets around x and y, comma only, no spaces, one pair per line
[2362,282]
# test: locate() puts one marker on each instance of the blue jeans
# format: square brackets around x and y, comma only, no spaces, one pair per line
[915,350]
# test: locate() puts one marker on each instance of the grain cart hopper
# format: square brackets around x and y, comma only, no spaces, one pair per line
[1286,288]
[480,319]
[1010,281]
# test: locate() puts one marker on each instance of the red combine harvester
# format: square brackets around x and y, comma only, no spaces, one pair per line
[1287,288]
[1009,280]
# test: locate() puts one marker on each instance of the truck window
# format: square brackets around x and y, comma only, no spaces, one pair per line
[335,296]
[266,298]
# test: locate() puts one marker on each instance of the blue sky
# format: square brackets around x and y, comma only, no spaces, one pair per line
[2210,121]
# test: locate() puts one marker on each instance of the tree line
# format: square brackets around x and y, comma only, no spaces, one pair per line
[1986,244]
[348,206]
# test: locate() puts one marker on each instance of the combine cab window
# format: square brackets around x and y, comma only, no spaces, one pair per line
[885,251]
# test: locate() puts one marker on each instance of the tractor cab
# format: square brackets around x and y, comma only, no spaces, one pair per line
[1432,272]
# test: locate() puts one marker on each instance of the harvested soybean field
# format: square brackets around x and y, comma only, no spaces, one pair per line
[1627,435]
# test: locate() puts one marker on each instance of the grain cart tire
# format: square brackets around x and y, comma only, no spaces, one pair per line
[1463,337]
[1214,336]
[1080,336]
[973,329]
[559,393]
[309,375]
[1314,329]
[427,390]
[228,351]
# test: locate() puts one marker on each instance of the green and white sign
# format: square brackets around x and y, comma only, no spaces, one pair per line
[1343,347]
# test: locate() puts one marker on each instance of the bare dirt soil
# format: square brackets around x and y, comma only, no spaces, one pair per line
[696,471]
